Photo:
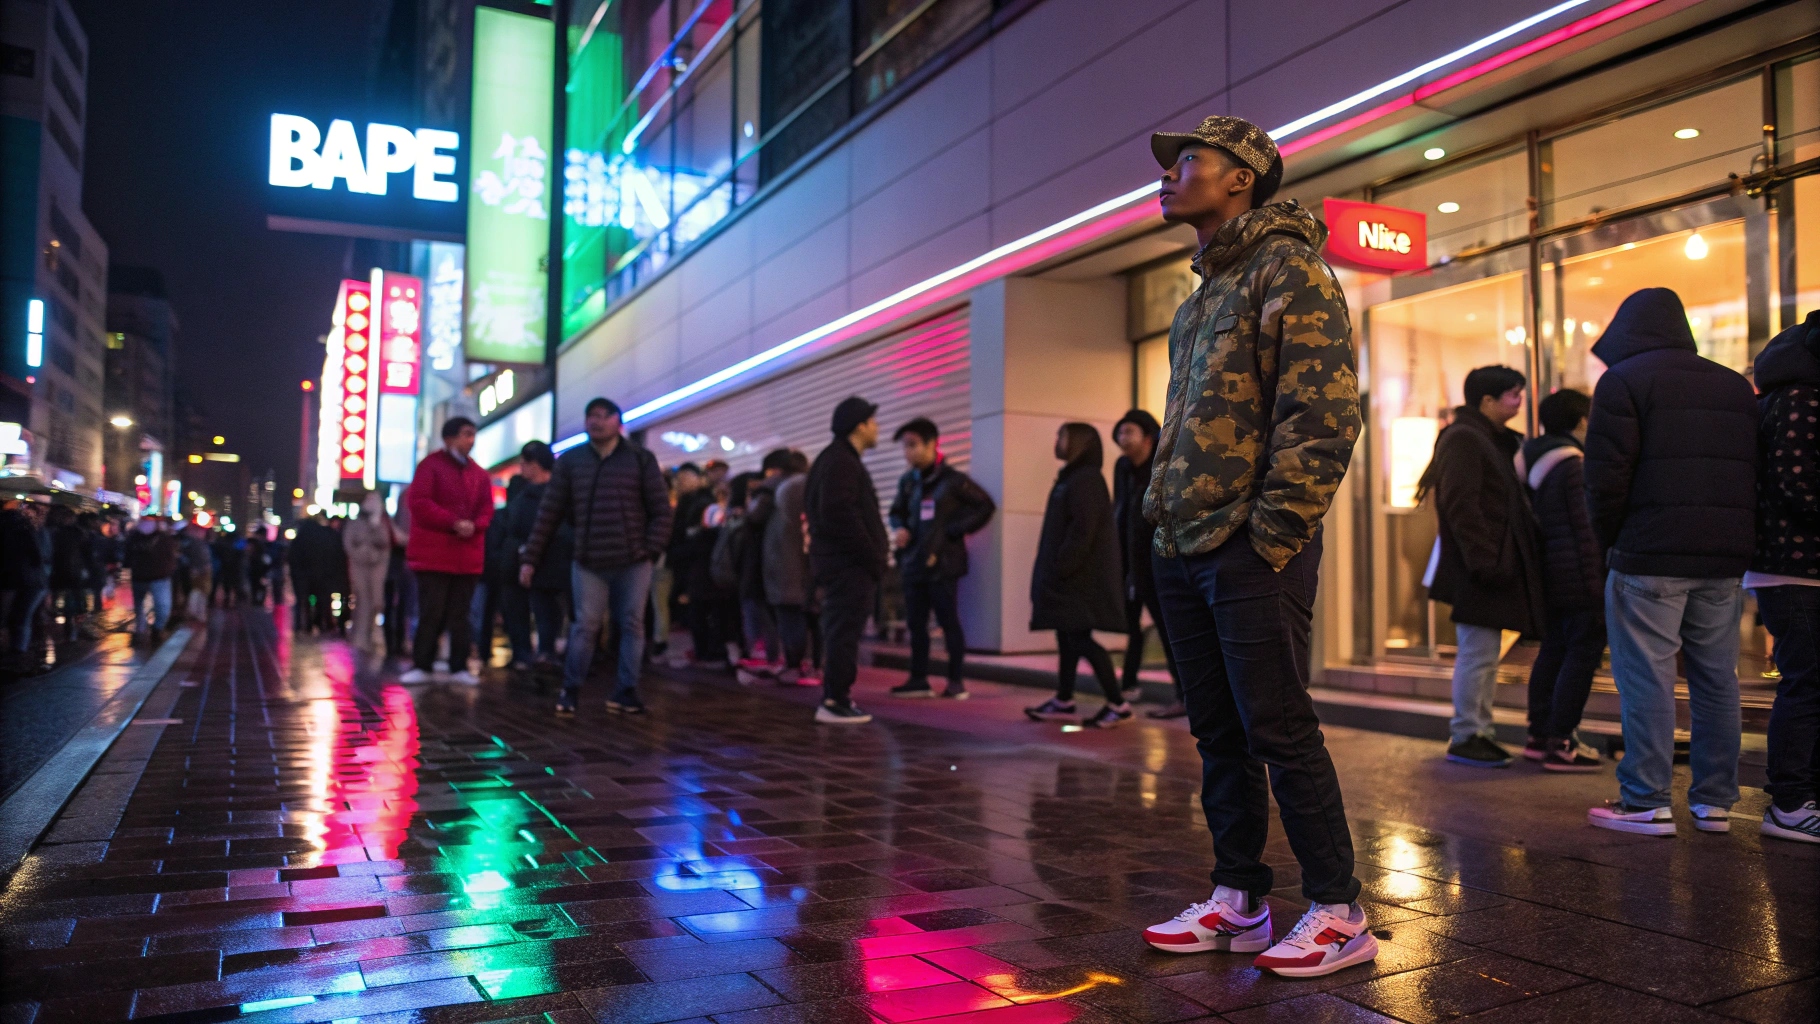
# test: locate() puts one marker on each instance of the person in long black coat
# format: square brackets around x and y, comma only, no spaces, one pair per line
[1074,589]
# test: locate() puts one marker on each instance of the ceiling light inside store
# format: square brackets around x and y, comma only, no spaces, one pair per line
[1696,247]
[1434,154]
[1449,207]
[1687,133]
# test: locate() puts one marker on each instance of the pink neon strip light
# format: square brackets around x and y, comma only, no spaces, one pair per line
[1112,215]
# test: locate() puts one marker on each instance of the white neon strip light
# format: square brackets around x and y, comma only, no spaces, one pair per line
[778,351]
[1417,72]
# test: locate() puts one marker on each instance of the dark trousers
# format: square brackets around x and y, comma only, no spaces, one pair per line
[443,602]
[1562,675]
[1791,613]
[1134,644]
[520,608]
[920,598]
[847,597]
[1075,644]
[1241,632]
[792,633]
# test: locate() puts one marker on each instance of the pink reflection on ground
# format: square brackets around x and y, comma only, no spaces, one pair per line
[364,762]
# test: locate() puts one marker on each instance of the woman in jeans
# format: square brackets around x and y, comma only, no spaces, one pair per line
[1074,589]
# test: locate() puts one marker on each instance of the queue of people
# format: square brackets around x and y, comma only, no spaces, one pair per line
[1635,521]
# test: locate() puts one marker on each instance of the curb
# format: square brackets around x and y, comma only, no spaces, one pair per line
[28,813]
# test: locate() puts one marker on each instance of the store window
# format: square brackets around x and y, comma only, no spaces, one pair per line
[1474,206]
[1156,292]
[1423,342]
[1664,150]
[1798,202]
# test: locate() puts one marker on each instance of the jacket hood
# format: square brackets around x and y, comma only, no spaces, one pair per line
[1792,357]
[1650,319]
[1542,454]
[1238,235]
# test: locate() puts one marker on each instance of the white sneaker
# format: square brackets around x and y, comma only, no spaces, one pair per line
[1644,821]
[465,678]
[1708,818]
[1217,923]
[415,675]
[1801,824]
[439,667]
[1328,938]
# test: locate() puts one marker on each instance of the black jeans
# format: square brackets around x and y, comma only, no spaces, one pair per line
[1562,675]
[921,597]
[792,633]
[847,598]
[1241,636]
[1073,645]
[443,599]
[1791,613]
[520,608]
[1134,644]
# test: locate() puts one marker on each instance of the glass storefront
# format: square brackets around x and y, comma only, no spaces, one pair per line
[1656,196]
[1676,191]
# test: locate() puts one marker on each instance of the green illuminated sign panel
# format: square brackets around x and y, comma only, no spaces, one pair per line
[509,194]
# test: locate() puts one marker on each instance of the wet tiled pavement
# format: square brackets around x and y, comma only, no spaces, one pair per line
[310,842]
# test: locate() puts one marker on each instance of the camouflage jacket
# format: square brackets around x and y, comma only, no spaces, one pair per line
[1263,397]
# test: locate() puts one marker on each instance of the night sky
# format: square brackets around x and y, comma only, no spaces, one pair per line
[179,98]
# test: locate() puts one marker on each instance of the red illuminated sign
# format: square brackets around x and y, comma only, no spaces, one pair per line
[1380,239]
[355,312]
[400,319]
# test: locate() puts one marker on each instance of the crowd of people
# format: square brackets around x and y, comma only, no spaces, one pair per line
[59,567]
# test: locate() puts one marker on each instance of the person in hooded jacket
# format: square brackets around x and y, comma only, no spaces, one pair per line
[1487,565]
[1135,434]
[1785,571]
[368,543]
[785,560]
[936,509]
[1258,429]
[1573,585]
[1671,480]
[1074,588]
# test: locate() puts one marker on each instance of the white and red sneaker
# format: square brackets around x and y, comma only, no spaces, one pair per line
[1219,923]
[1328,938]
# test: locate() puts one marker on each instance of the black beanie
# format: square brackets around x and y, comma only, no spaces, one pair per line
[850,413]
[1145,422]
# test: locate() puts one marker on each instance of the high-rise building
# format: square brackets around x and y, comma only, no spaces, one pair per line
[141,396]
[53,264]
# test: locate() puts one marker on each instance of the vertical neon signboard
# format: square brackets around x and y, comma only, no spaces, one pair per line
[398,314]
[508,187]
[358,374]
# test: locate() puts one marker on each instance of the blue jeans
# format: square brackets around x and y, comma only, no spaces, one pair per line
[160,591]
[1478,649]
[1792,615]
[620,592]
[1649,619]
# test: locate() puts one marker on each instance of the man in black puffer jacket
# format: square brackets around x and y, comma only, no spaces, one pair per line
[1785,571]
[612,494]
[1671,478]
[1573,585]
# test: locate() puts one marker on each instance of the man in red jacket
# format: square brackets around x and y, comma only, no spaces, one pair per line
[451,503]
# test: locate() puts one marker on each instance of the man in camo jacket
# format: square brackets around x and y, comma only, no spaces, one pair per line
[1262,415]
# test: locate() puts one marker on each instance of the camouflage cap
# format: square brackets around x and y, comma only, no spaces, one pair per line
[1250,144]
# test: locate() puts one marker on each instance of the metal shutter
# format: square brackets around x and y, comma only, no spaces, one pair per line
[922,370]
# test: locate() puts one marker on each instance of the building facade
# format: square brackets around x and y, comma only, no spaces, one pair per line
[141,391]
[976,238]
[53,265]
